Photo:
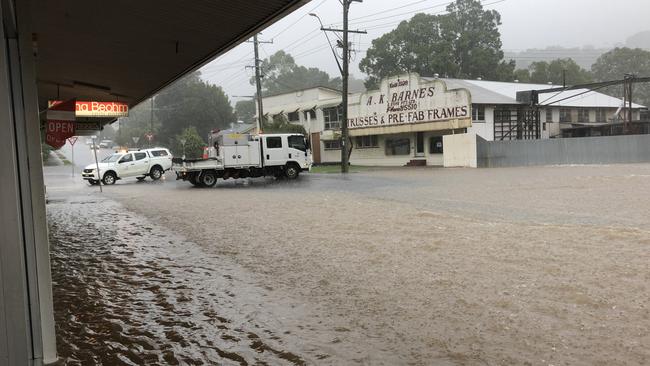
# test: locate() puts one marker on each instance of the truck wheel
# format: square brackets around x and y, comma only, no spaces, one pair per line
[208,179]
[109,178]
[193,179]
[291,171]
[156,173]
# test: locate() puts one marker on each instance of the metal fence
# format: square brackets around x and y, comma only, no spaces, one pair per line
[584,150]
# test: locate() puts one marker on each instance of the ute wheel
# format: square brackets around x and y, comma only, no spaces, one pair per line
[291,171]
[109,178]
[156,173]
[140,179]
[208,179]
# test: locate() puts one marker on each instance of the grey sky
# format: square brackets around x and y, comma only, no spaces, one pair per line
[526,24]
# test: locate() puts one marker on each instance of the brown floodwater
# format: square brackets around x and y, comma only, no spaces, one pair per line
[128,292]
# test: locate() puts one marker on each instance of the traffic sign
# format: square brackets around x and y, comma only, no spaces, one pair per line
[149,136]
[72,140]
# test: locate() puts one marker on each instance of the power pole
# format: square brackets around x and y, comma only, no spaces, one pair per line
[258,83]
[344,76]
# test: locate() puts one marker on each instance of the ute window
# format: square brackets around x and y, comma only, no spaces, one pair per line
[140,156]
[111,158]
[126,158]
[297,142]
[274,142]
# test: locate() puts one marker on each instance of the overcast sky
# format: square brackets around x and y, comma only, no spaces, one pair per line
[526,24]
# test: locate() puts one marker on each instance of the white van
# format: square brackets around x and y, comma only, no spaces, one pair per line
[138,163]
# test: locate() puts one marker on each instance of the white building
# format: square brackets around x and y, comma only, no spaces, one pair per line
[492,113]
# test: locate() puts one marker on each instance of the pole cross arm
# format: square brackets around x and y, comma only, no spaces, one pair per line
[341,30]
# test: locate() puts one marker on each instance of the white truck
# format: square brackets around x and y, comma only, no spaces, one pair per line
[237,155]
[139,163]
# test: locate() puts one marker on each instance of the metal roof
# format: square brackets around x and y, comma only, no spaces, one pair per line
[127,50]
[498,92]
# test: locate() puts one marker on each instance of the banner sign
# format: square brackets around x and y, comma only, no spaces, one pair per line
[409,100]
[60,123]
[98,109]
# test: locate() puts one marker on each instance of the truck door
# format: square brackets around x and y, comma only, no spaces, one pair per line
[274,153]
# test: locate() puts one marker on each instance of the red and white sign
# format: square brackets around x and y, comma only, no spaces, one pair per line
[149,136]
[72,140]
[97,109]
[60,123]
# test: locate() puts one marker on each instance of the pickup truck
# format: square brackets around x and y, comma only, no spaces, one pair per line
[235,155]
[139,164]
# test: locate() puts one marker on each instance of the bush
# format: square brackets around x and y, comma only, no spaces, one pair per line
[45,152]
[194,144]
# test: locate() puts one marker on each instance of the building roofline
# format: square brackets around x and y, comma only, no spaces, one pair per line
[302,89]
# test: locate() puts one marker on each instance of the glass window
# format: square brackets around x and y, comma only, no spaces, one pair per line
[274,142]
[126,158]
[332,145]
[332,118]
[565,115]
[111,158]
[157,153]
[601,115]
[297,142]
[435,145]
[583,115]
[549,115]
[478,113]
[311,113]
[293,117]
[140,155]
[364,142]
[398,147]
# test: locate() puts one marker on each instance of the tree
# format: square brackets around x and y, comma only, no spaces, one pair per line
[616,63]
[245,110]
[465,43]
[193,147]
[191,102]
[281,74]
[280,124]
[555,72]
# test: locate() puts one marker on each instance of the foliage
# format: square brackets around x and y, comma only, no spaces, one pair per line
[46,150]
[616,63]
[558,72]
[282,74]
[191,102]
[280,124]
[465,43]
[245,110]
[193,144]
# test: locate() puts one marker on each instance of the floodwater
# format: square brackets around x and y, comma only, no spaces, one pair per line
[129,292]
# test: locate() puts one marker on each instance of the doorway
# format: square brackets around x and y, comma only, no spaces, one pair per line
[419,144]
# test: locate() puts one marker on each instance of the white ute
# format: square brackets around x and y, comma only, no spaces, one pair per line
[236,155]
[139,163]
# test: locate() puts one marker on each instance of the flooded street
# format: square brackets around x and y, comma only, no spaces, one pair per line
[387,267]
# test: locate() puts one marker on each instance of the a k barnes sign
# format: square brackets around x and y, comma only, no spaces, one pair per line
[409,100]
[98,109]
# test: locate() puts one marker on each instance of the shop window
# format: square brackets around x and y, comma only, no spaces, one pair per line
[398,147]
[583,115]
[293,117]
[549,116]
[365,142]
[332,145]
[565,115]
[273,142]
[332,118]
[478,113]
[310,114]
[435,145]
[601,115]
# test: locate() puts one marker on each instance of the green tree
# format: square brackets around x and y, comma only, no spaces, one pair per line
[280,124]
[616,63]
[245,110]
[194,144]
[282,74]
[555,71]
[464,43]
[191,102]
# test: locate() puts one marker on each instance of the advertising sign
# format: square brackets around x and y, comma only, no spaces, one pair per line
[408,100]
[60,123]
[97,109]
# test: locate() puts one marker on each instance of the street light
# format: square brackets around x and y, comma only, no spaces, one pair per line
[322,27]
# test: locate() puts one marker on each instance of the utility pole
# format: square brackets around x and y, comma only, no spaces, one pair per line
[258,83]
[344,76]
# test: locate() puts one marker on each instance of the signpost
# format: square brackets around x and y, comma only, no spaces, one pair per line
[72,140]
[99,174]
